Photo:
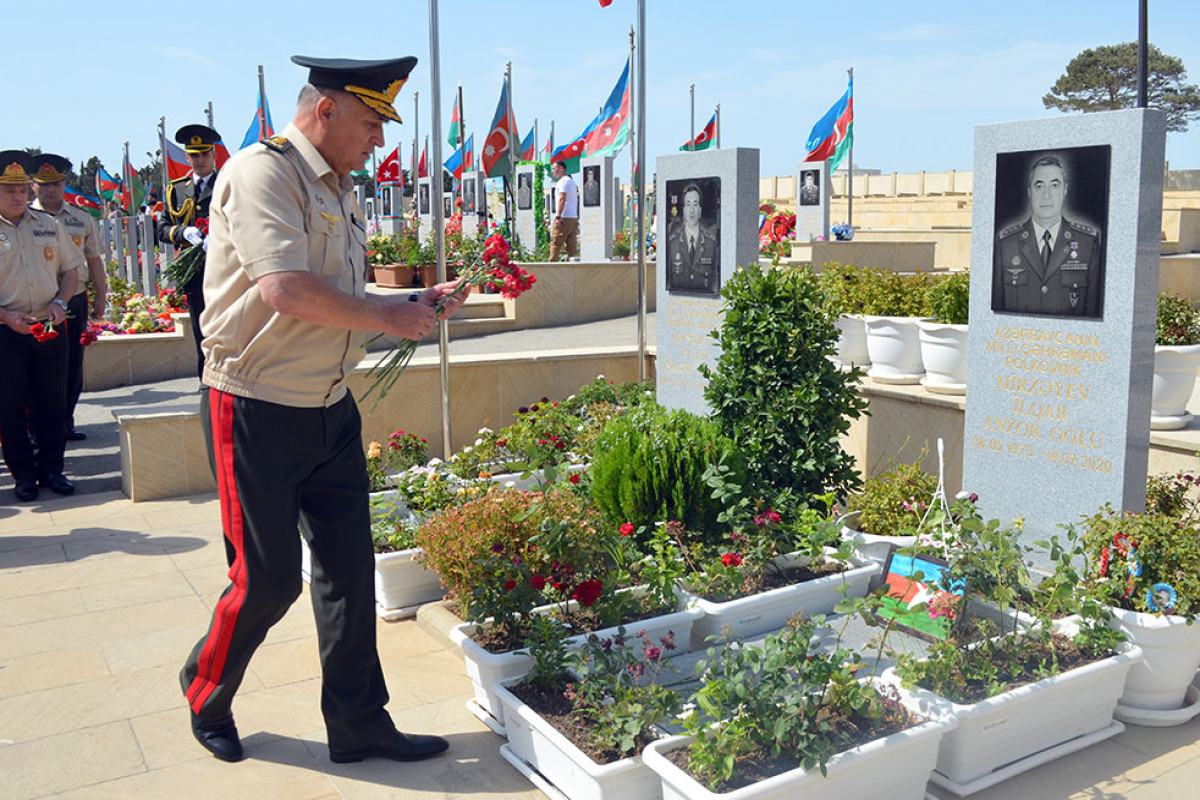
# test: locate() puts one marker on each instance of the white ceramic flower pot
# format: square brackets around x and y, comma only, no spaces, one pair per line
[895,767]
[852,341]
[770,610]
[401,583]
[1156,691]
[869,546]
[894,347]
[1174,376]
[543,754]
[1028,726]
[944,357]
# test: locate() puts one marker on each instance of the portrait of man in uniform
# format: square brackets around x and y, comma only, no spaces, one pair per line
[591,186]
[423,199]
[810,187]
[447,205]
[469,196]
[1048,254]
[524,191]
[693,236]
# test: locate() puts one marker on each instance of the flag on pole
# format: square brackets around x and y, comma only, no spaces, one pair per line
[260,127]
[528,147]
[422,169]
[86,202]
[107,187]
[547,154]
[222,153]
[606,134]
[133,192]
[175,159]
[454,137]
[497,147]
[833,134]
[705,138]
[460,159]
[389,171]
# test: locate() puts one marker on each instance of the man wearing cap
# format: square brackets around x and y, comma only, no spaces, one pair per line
[49,182]
[285,323]
[187,201]
[38,268]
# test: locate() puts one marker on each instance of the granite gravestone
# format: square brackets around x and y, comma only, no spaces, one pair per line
[1061,350]
[812,200]
[526,233]
[424,209]
[449,205]
[392,219]
[712,195]
[595,209]
[474,196]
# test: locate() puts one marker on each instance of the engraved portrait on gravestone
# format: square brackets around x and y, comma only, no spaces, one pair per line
[524,191]
[1048,243]
[424,199]
[810,187]
[469,196]
[447,205]
[591,186]
[386,195]
[693,248]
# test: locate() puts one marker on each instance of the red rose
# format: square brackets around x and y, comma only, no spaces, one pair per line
[574,477]
[538,582]
[509,585]
[627,529]
[588,592]
[732,559]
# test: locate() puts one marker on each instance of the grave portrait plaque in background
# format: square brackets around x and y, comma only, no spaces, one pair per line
[424,212]
[812,200]
[591,185]
[524,190]
[1061,347]
[595,218]
[526,234]
[447,204]
[723,185]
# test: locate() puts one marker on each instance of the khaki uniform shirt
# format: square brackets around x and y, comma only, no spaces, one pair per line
[82,229]
[280,209]
[34,251]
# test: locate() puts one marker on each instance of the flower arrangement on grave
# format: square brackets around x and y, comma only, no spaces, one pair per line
[776,234]
[493,269]
[842,231]
[187,264]
[621,245]
[144,314]
[1178,321]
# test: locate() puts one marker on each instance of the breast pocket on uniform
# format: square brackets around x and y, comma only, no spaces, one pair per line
[324,240]
[1075,277]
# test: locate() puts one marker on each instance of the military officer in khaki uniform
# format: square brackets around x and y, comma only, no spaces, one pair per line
[49,183]
[38,268]
[187,201]
[285,322]
[1048,264]
[692,261]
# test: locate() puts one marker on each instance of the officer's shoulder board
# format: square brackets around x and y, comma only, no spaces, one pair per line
[185,178]
[1011,229]
[279,144]
[1079,226]
[41,214]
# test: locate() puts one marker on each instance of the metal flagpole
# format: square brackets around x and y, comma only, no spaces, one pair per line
[262,105]
[634,76]
[439,230]
[718,126]
[1143,55]
[850,172]
[641,190]
[692,95]
[416,138]
[162,143]
[375,187]
[507,185]
[208,113]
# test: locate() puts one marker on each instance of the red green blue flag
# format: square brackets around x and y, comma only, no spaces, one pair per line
[832,136]
[107,187]
[528,147]
[705,138]
[87,203]
[454,137]
[606,134]
[260,127]
[498,146]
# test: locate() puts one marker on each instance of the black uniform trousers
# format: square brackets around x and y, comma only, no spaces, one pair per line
[33,391]
[278,466]
[77,322]
[194,291]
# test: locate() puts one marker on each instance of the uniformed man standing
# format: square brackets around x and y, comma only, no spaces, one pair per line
[1048,264]
[287,309]
[187,201]
[38,267]
[692,249]
[49,183]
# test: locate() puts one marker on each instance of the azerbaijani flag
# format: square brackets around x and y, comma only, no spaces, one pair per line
[87,203]
[497,147]
[107,186]
[548,152]
[222,153]
[606,134]
[705,138]
[833,135]
[133,193]
[175,158]
[454,165]
[528,147]
[260,127]
[454,137]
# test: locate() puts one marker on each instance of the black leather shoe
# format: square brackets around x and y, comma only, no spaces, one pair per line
[57,484]
[26,491]
[219,738]
[75,436]
[396,746]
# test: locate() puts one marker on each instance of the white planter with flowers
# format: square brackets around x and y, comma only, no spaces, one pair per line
[870,546]
[1160,690]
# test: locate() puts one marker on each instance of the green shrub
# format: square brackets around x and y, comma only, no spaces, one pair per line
[844,287]
[950,297]
[893,503]
[892,294]
[649,465]
[775,391]
[1178,321]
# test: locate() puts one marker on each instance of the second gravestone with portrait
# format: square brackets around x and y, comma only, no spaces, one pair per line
[474,198]
[526,232]
[595,209]
[1064,280]
[424,209]
[812,200]
[707,210]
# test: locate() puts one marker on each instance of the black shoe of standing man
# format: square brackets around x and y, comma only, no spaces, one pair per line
[57,483]
[74,435]
[219,737]
[394,745]
[26,491]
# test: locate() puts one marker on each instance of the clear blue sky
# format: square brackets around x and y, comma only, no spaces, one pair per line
[925,73]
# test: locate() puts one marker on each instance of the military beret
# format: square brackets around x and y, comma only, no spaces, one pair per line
[15,167]
[49,168]
[376,82]
[197,138]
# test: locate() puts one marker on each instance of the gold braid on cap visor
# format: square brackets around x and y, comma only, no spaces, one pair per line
[380,102]
[196,145]
[14,173]
[48,174]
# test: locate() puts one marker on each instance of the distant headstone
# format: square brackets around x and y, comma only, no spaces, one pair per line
[595,209]
[392,219]
[707,225]
[526,232]
[812,200]
[1064,283]
[474,196]
[448,205]
[424,209]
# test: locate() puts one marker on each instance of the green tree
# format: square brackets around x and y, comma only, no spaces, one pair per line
[86,180]
[1105,79]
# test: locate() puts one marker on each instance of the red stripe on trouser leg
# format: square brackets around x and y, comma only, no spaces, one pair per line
[211,663]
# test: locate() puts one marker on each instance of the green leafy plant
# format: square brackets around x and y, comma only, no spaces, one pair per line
[406,450]
[393,526]
[377,478]
[949,298]
[894,502]
[894,294]
[844,288]
[383,248]
[621,244]
[1178,321]
[774,390]
[433,486]
[1172,494]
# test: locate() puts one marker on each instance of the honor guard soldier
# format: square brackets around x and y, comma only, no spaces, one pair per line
[285,324]
[187,201]
[49,183]
[38,271]
[1048,264]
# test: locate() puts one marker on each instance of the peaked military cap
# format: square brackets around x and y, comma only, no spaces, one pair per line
[376,83]
[49,168]
[15,167]
[197,138]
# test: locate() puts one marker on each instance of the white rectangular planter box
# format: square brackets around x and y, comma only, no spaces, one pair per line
[896,767]
[536,744]
[402,583]
[768,611]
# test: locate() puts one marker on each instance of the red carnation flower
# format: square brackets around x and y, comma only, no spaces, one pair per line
[732,559]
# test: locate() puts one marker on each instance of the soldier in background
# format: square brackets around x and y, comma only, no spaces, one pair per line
[49,183]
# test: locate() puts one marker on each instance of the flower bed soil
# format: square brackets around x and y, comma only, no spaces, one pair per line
[777,578]
[583,620]
[556,709]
